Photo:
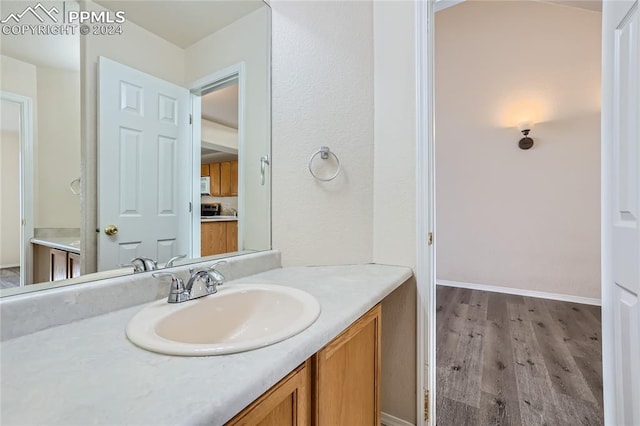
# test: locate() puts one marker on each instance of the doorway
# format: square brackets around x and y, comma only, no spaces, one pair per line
[219,126]
[505,239]
[16,212]
[218,109]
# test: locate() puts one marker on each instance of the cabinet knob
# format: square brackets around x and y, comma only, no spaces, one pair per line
[111,230]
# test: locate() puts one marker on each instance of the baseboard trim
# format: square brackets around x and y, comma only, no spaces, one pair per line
[521,292]
[11,265]
[389,420]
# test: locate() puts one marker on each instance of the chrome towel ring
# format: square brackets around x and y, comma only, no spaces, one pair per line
[324,154]
[74,186]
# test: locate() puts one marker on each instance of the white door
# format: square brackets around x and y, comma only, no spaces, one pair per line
[621,211]
[144,166]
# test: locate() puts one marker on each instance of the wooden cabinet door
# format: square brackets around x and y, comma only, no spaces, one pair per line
[213,239]
[232,236]
[225,179]
[234,178]
[205,170]
[58,265]
[347,376]
[286,404]
[73,265]
[214,173]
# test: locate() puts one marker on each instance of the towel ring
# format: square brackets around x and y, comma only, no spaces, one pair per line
[324,154]
[74,186]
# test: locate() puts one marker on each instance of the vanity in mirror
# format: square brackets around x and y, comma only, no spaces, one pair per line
[136,137]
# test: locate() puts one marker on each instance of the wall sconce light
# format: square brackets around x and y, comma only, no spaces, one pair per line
[526,142]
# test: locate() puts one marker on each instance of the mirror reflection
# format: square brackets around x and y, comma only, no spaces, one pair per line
[138,145]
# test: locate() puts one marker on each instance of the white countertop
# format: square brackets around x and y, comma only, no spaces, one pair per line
[219,218]
[87,372]
[71,244]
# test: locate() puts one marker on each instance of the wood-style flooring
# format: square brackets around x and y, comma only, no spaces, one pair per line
[514,360]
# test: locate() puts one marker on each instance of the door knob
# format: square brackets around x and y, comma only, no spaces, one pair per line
[111,230]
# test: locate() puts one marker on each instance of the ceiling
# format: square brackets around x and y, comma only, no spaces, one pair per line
[183,22]
[221,106]
[593,5]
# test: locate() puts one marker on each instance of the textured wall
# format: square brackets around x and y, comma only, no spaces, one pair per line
[508,217]
[394,219]
[322,95]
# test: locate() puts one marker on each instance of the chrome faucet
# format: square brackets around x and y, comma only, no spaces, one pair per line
[169,263]
[212,279]
[180,292]
[143,264]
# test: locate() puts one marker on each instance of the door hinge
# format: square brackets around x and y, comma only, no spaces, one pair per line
[426,406]
[190,118]
[190,207]
[430,238]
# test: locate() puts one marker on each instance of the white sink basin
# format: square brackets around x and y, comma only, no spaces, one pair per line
[238,318]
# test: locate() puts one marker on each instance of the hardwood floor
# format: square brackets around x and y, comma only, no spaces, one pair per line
[514,360]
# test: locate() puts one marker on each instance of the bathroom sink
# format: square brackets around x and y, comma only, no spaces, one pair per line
[237,318]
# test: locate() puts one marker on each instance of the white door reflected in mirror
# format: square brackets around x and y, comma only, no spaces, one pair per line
[144,142]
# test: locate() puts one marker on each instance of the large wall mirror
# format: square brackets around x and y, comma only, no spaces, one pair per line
[134,135]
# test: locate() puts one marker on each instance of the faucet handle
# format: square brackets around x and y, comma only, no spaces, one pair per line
[169,263]
[178,292]
[217,275]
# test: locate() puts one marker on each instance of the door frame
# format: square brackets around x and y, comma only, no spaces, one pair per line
[425,204]
[237,70]
[26,183]
[425,213]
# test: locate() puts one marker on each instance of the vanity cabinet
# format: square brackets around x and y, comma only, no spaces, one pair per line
[288,403]
[73,265]
[218,237]
[50,264]
[58,262]
[344,381]
[223,178]
[347,375]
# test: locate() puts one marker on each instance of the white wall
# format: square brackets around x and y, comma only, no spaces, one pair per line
[246,40]
[508,217]
[137,48]
[9,195]
[58,149]
[322,95]
[19,78]
[394,229]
